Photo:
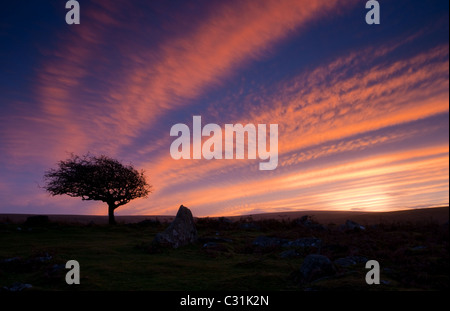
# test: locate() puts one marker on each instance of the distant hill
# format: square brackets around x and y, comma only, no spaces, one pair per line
[435,214]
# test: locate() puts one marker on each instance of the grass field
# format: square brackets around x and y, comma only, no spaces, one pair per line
[412,256]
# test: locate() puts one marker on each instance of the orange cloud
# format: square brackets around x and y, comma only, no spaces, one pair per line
[332,186]
[329,118]
[328,110]
[316,111]
[182,68]
[157,79]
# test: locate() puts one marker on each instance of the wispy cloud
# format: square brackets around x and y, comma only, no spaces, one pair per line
[117,82]
[329,110]
[84,96]
[332,186]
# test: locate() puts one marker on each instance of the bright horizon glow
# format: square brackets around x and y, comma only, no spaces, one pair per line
[362,110]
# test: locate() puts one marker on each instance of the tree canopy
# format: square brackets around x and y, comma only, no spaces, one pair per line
[97,178]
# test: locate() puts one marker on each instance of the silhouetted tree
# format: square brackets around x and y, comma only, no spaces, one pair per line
[99,179]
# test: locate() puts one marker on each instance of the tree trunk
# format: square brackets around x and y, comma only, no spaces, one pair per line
[111,208]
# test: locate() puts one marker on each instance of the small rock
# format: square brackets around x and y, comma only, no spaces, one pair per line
[304,220]
[17,287]
[352,226]
[264,241]
[44,258]
[304,242]
[9,260]
[307,222]
[57,267]
[56,271]
[315,267]
[350,261]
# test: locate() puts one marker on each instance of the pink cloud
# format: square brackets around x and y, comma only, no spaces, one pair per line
[313,113]
[149,80]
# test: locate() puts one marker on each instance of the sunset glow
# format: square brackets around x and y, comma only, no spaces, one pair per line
[362,110]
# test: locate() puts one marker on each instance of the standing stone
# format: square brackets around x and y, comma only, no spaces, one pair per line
[181,231]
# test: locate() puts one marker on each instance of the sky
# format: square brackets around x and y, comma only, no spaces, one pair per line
[362,110]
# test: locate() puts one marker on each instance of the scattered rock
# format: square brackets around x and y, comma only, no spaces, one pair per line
[56,268]
[17,287]
[21,265]
[304,220]
[315,267]
[352,226]
[11,260]
[56,272]
[304,242]
[44,258]
[350,261]
[264,241]
[181,231]
[307,222]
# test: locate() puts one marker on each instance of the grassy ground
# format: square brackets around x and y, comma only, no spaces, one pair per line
[412,256]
